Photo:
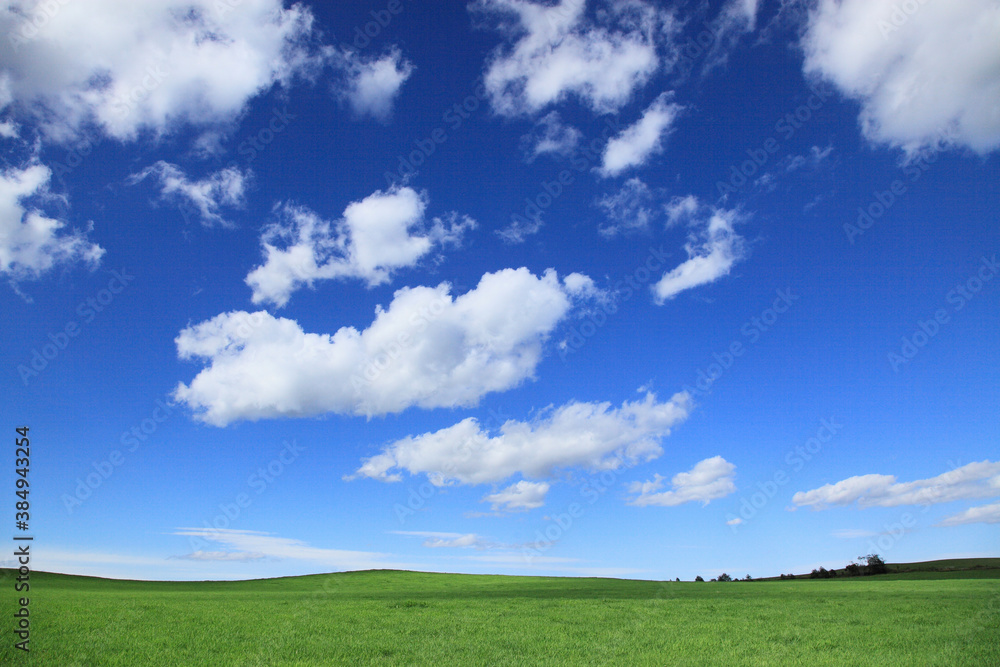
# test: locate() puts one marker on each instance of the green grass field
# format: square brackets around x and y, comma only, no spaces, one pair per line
[409,618]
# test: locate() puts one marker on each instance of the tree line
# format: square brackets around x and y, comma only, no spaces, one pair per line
[865,566]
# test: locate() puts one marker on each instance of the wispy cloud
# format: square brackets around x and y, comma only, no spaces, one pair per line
[636,144]
[204,197]
[246,545]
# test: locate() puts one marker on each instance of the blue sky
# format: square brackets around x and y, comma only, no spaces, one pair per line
[633,289]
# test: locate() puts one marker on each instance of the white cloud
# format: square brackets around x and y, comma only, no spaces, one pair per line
[154,65]
[641,140]
[744,10]
[682,209]
[918,74]
[708,480]
[712,250]
[253,545]
[519,230]
[434,540]
[853,534]
[552,137]
[377,235]
[735,521]
[735,18]
[226,187]
[581,286]
[521,496]
[559,52]
[373,85]
[814,159]
[238,556]
[32,243]
[592,435]
[627,210]
[975,480]
[981,514]
[427,349]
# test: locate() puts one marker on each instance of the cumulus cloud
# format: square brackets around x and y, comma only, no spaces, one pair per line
[524,495]
[713,247]
[558,52]
[630,209]
[377,235]
[373,85]
[204,198]
[247,545]
[31,243]
[592,435]
[975,480]
[708,480]
[126,68]
[920,74]
[981,514]
[427,349]
[640,141]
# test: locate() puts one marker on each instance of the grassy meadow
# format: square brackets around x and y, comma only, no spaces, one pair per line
[924,617]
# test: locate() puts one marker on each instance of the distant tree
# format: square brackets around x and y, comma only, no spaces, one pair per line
[677,579]
[815,574]
[852,570]
[748,578]
[832,573]
[725,577]
[873,564]
[790,576]
[698,578]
